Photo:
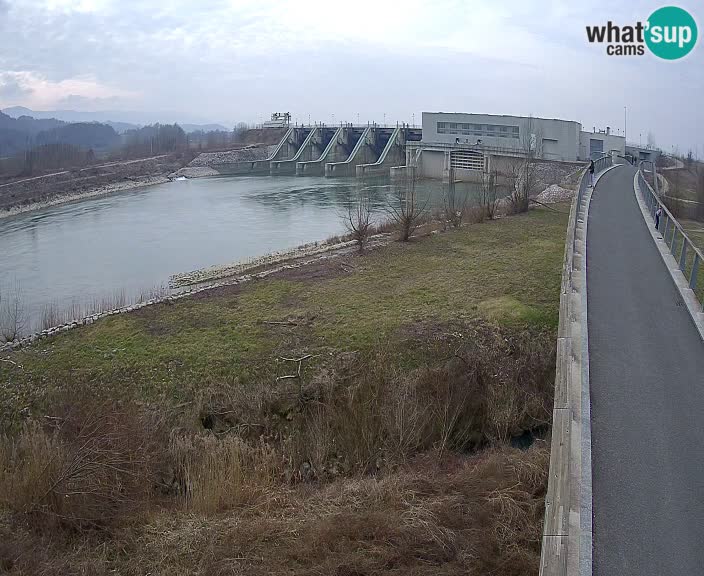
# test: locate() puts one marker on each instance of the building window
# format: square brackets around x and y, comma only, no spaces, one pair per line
[479,130]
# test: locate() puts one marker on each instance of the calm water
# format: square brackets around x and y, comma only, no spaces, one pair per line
[126,244]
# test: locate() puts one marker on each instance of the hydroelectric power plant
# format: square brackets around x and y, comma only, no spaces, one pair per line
[468,145]
[331,151]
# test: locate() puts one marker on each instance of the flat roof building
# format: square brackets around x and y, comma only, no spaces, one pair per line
[465,141]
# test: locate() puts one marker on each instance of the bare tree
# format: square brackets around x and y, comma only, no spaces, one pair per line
[12,316]
[404,209]
[454,202]
[358,219]
[488,199]
[523,172]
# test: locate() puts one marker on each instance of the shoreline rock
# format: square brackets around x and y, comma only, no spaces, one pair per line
[330,251]
[131,184]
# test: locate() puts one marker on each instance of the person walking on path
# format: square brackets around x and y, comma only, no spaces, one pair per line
[658,213]
[591,173]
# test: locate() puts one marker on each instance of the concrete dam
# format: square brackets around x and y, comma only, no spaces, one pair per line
[332,151]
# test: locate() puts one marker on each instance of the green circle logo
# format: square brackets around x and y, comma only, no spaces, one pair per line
[670,32]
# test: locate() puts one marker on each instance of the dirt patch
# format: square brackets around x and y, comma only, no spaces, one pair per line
[327,266]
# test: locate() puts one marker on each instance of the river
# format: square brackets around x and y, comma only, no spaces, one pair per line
[81,256]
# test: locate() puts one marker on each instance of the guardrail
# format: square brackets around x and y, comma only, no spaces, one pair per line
[584,183]
[566,534]
[690,259]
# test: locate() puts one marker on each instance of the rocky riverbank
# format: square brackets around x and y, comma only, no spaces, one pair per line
[28,194]
[304,251]
[196,282]
[137,182]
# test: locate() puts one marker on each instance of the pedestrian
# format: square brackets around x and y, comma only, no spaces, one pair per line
[591,173]
[658,213]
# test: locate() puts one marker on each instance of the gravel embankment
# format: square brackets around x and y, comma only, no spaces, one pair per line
[554,193]
[229,156]
[206,163]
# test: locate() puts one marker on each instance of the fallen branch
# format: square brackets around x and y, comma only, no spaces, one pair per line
[11,362]
[299,361]
[546,206]
[284,322]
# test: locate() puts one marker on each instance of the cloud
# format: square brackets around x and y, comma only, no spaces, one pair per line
[12,91]
[88,104]
[35,91]
[231,60]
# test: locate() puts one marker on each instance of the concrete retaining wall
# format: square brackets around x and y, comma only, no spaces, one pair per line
[338,149]
[567,533]
[394,154]
[288,166]
[364,152]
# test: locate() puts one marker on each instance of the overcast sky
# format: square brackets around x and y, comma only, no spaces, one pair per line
[239,60]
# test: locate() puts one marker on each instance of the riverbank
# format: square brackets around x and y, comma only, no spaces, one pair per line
[26,194]
[376,412]
[131,184]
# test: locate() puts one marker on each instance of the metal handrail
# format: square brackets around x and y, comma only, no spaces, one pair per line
[671,225]
[600,164]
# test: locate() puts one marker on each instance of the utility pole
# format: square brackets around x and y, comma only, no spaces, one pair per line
[414,119]
[625,133]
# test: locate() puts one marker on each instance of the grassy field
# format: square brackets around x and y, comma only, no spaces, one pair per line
[695,231]
[356,416]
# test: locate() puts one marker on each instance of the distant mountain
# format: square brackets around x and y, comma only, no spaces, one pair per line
[17,134]
[25,132]
[71,116]
[121,121]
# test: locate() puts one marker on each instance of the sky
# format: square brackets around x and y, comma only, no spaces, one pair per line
[231,61]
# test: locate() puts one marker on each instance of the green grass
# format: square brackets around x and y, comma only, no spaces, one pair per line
[695,232]
[505,271]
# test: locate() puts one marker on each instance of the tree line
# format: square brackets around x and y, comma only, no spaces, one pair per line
[66,146]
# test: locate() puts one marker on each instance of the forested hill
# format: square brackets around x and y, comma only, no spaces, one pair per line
[25,132]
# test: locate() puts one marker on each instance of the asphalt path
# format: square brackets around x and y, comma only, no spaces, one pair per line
[646,364]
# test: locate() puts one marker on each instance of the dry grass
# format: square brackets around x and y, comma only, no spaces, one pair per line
[465,515]
[86,469]
[357,467]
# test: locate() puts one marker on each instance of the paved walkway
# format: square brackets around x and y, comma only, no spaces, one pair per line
[646,364]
